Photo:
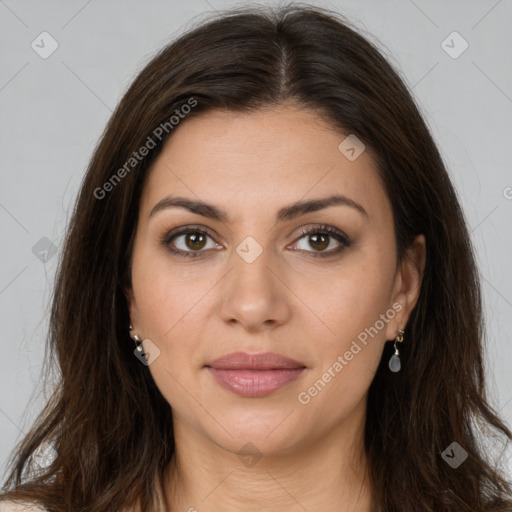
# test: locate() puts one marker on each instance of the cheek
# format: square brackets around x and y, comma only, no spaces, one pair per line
[350,296]
[348,358]
[166,291]
[165,306]
[354,304]
[169,315]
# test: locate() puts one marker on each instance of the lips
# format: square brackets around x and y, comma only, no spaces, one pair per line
[262,361]
[254,375]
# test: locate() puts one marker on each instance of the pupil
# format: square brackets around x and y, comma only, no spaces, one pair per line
[320,245]
[194,241]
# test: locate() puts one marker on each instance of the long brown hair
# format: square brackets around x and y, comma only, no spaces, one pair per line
[109,424]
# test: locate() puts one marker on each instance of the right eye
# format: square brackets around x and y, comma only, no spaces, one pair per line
[188,241]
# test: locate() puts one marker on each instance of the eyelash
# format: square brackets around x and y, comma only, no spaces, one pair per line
[323,229]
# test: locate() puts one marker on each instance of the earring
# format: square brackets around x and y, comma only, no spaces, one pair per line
[394,361]
[138,341]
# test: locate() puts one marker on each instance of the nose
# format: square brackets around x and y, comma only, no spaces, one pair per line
[252,294]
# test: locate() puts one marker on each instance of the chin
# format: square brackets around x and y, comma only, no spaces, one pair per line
[256,431]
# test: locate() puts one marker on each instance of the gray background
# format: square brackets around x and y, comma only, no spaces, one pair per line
[53,111]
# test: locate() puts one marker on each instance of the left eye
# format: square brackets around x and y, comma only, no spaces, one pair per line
[318,241]
[322,239]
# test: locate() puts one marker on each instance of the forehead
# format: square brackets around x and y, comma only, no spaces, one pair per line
[261,159]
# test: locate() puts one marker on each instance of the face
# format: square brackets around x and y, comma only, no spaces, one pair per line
[256,270]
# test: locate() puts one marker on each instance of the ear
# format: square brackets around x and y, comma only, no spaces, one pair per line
[132,306]
[407,285]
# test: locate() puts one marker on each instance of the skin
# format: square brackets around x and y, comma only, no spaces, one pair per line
[287,301]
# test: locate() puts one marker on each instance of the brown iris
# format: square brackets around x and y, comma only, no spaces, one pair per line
[313,240]
[195,240]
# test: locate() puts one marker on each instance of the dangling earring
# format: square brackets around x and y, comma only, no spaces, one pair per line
[138,341]
[394,361]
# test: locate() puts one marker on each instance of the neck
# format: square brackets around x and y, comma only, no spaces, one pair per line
[329,474]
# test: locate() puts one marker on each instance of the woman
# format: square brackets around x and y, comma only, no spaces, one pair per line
[268,298]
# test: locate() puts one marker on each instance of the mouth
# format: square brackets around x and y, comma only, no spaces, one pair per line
[254,375]
[255,383]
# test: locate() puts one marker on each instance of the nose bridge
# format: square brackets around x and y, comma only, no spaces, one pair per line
[251,265]
[253,296]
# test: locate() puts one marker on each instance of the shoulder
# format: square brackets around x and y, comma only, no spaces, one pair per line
[11,506]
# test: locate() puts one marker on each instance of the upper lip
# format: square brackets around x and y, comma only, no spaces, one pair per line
[261,361]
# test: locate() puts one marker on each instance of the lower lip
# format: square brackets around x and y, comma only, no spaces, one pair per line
[255,383]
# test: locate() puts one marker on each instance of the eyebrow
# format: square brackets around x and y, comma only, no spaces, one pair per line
[286,213]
